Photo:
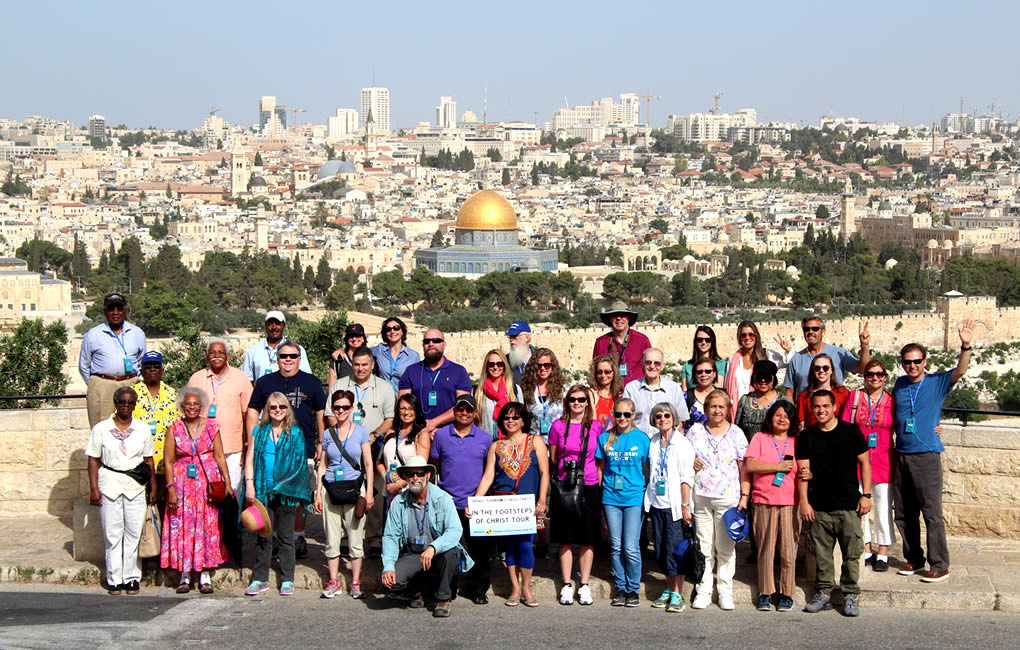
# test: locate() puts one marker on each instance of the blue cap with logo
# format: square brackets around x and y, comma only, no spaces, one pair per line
[517,327]
[152,357]
[737,524]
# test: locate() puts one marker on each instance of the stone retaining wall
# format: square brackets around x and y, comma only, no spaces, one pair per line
[43,470]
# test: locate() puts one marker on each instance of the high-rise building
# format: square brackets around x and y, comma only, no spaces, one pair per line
[446,113]
[600,113]
[630,110]
[97,126]
[345,122]
[272,118]
[377,100]
[698,127]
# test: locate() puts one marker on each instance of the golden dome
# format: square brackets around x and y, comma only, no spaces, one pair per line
[487,210]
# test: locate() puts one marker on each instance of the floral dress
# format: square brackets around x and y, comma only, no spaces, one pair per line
[192,533]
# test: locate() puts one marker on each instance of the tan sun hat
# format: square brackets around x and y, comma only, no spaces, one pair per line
[255,519]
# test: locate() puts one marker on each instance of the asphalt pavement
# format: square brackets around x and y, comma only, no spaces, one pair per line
[47,616]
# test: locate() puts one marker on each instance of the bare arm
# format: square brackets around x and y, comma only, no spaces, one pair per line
[865,338]
[966,336]
[221,463]
[864,503]
[745,486]
[249,468]
[807,513]
[366,463]
[543,469]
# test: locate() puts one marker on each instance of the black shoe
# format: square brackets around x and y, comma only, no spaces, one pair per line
[131,588]
[633,600]
[300,548]
[880,566]
[619,600]
[480,599]
[870,561]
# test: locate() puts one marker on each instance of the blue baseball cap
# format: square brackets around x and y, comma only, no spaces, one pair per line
[517,327]
[737,524]
[681,549]
[152,357]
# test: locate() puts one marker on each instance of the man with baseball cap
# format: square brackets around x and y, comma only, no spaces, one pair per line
[521,348]
[111,355]
[421,545]
[260,358]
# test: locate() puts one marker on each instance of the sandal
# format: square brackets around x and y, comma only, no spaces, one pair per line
[529,601]
[513,601]
[184,587]
[206,589]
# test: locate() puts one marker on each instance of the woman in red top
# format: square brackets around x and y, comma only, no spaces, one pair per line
[605,387]
[871,409]
[819,377]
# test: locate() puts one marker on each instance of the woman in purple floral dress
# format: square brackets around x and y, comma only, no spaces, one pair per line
[193,457]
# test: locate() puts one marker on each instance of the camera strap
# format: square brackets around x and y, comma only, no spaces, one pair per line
[582,459]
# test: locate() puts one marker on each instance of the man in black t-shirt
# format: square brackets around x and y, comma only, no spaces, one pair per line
[828,454]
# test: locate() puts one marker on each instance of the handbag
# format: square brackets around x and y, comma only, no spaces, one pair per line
[149,542]
[566,498]
[694,560]
[139,472]
[345,492]
[216,490]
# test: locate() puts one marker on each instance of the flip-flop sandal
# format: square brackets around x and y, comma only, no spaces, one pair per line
[184,588]
[529,601]
[206,589]
[513,601]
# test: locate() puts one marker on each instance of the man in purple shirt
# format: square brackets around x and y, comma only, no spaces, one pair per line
[627,346]
[436,381]
[459,451]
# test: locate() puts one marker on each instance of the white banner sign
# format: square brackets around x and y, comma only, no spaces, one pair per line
[510,514]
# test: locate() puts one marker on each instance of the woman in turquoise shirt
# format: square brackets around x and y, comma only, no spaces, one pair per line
[622,457]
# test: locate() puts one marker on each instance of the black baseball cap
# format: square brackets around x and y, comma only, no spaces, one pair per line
[114,299]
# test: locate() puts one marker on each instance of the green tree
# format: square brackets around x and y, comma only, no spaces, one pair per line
[167,267]
[258,159]
[80,267]
[810,290]
[506,177]
[340,296]
[437,240]
[32,362]
[659,224]
[131,262]
[392,288]
[534,175]
[309,279]
[45,257]
[323,276]
[680,165]
[494,155]
[319,338]
[821,212]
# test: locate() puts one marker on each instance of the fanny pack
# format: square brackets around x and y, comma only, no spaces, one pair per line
[139,472]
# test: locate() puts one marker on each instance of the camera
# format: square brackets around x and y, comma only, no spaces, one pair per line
[573,471]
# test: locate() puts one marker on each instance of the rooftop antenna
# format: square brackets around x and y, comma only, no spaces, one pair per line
[485,106]
[961,106]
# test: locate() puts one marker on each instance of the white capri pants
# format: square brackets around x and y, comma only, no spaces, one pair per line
[881,513]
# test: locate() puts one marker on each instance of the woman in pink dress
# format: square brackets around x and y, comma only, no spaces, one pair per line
[193,457]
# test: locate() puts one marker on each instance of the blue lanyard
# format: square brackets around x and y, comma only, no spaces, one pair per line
[623,346]
[421,375]
[120,338]
[663,452]
[545,404]
[393,360]
[424,518]
[194,448]
[216,384]
[148,396]
[271,354]
[343,443]
[782,454]
[913,394]
[872,413]
[358,394]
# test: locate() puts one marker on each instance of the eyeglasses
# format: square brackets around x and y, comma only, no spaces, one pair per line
[126,402]
[277,407]
[912,362]
[603,372]
[496,364]
[543,366]
[654,364]
[152,366]
[464,407]
[418,473]
[435,341]
[873,374]
[663,416]
[812,329]
[514,418]
[748,335]
[702,339]
[822,368]
[289,356]
[623,414]
[342,407]
[577,400]
[393,328]
[704,371]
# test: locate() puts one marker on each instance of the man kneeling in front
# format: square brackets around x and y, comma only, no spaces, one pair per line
[421,541]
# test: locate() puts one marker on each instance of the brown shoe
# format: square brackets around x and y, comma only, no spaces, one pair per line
[114,590]
[442,609]
[934,576]
[132,588]
[417,603]
[909,569]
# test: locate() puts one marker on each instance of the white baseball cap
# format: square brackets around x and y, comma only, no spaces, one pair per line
[277,315]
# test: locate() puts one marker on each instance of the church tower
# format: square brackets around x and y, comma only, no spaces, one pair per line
[240,172]
[370,137]
[847,217]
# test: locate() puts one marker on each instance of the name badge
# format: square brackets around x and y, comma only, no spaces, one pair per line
[267,371]
[212,410]
[338,474]
[909,428]
[872,440]
[433,398]
[393,466]
[623,370]
[617,482]
[419,541]
[544,425]
[152,429]
[778,480]
[129,365]
[192,470]
[357,418]
[660,488]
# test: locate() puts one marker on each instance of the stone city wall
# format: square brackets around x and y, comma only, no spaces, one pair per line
[43,470]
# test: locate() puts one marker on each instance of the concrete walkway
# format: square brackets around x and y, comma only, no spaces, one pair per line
[985,573]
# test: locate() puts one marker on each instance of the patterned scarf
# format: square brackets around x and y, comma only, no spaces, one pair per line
[122,436]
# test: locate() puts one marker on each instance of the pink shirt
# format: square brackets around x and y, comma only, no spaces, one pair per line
[571,449]
[766,449]
[231,397]
[884,417]
[633,354]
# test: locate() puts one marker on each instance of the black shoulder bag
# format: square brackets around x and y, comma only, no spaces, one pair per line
[343,492]
[567,496]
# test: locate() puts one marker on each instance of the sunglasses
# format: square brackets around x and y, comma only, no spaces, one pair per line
[393,328]
[654,364]
[290,356]
[663,416]
[912,362]
[418,473]
[748,335]
[702,339]
[812,329]
[278,407]
[704,371]
[496,364]
[872,374]
[152,366]
[623,414]
[822,368]
[431,341]
[127,402]
[603,372]
[508,418]
[342,407]
[543,366]
[577,400]
[761,378]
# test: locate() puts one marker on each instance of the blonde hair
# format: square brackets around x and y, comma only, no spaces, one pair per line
[289,421]
[614,433]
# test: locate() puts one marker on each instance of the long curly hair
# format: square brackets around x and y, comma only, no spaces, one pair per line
[615,384]
[530,379]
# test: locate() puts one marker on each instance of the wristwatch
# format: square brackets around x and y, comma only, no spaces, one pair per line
[867,494]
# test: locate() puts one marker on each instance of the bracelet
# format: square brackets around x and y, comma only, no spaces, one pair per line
[744,495]
[964,349]
[866,495]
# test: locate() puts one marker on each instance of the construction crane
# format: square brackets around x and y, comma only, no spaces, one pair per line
[715,107]
[294,112]
[648,107]
[213,111]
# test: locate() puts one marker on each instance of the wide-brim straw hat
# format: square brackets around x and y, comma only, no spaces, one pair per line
[415,462]
[618,307]
[255,519]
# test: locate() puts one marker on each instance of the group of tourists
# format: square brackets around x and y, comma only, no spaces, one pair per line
[391,453]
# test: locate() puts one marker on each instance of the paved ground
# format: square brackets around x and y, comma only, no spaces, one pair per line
[45,616]
[985,573]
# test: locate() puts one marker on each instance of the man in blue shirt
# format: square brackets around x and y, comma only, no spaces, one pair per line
[799,369]
[111,357]
[435,381]
[260,358]
[917,487]
[459,451]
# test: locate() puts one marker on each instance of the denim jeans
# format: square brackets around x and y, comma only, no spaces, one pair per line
[624,524]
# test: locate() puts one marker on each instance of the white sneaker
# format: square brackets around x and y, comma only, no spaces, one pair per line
[584,595]
[726,602]
[567,594]
[701,601]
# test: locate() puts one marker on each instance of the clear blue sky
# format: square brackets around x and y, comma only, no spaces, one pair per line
[166,64]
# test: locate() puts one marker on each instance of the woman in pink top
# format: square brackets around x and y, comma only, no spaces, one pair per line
[772,472]
[871,409]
